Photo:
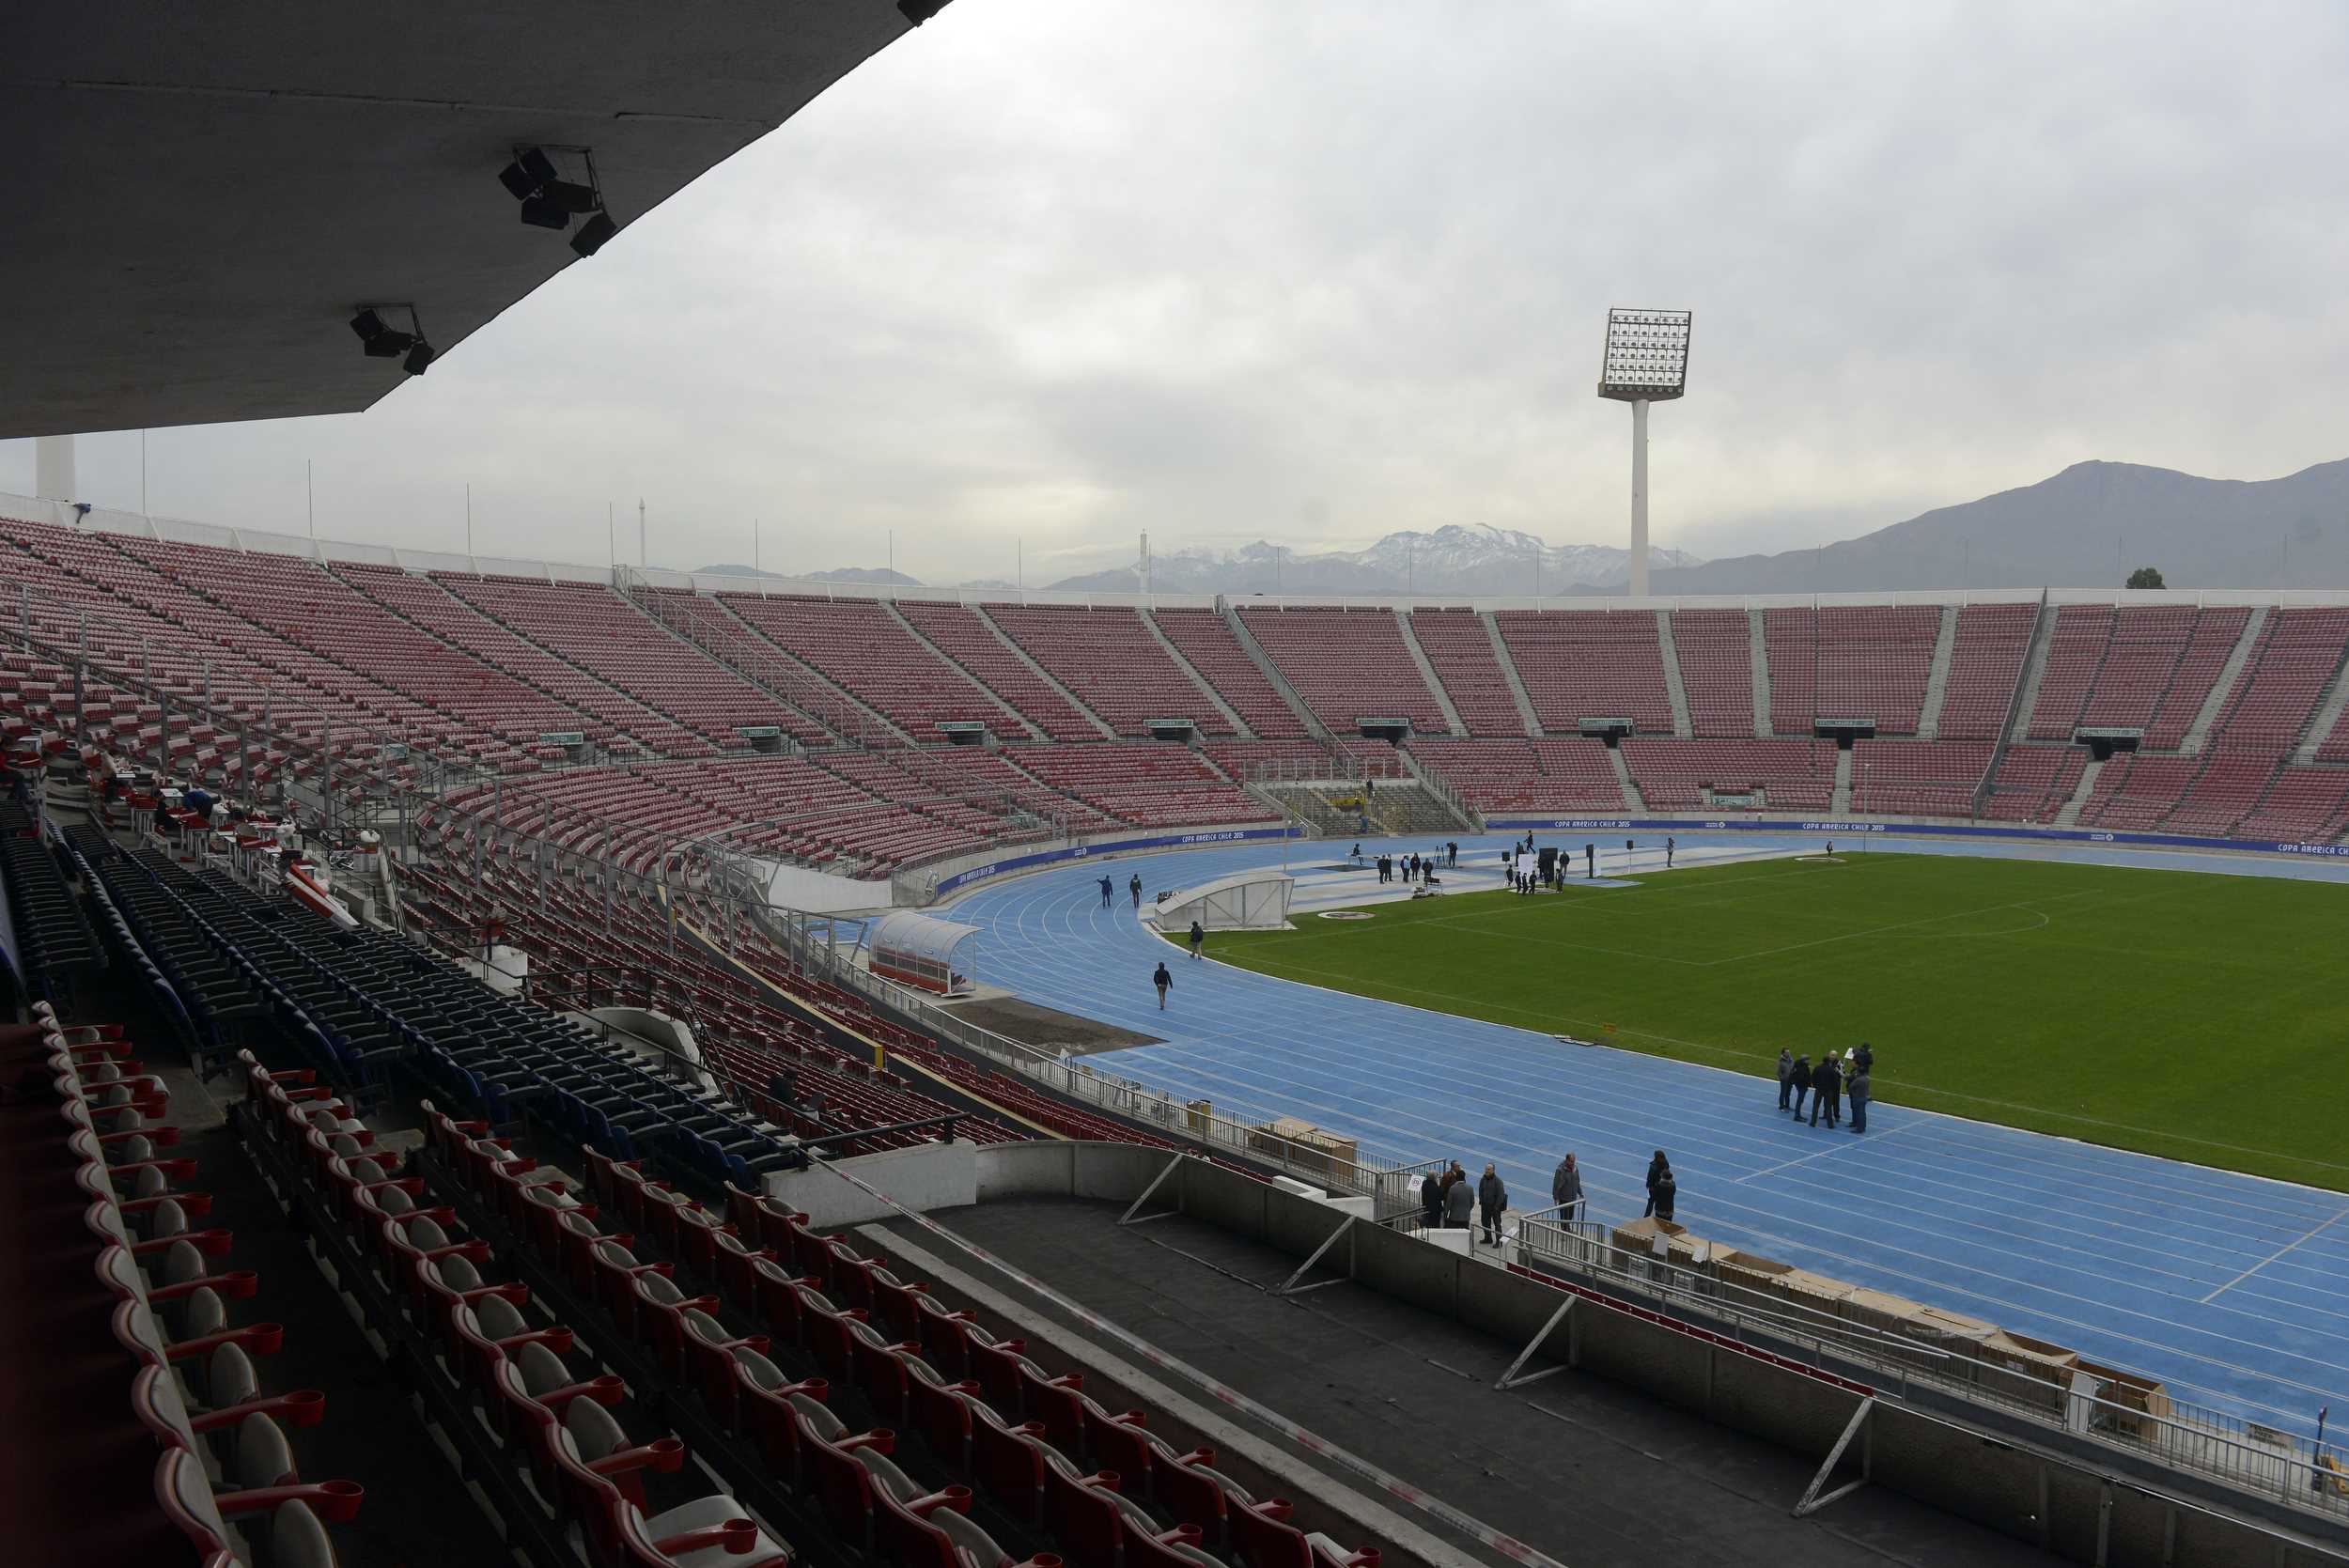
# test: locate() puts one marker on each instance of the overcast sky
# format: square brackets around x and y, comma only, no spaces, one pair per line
[1058,271]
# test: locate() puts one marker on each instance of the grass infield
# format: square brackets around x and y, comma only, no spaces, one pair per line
[2193,1016]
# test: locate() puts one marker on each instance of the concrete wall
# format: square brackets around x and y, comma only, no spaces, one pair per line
[927,1176]
[2059,1499]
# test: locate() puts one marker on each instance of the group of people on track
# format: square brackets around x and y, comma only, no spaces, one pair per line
[1836,1080]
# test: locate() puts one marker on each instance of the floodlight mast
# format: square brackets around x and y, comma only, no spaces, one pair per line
[1646,361]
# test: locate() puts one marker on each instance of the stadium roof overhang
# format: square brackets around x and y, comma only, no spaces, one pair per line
[198,196]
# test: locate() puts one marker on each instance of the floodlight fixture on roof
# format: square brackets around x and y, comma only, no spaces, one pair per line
[1647,355]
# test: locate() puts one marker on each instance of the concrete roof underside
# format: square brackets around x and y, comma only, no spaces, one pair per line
[198,196]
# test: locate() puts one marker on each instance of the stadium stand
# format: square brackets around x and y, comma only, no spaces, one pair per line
[1108,658]
[1349,664]
[1677,775]
[1716,649]
[1580,665]
[1985,664]
[1205,639]
[1461,652]
[860,648]
[1903,778]
[589,625]
[964,636]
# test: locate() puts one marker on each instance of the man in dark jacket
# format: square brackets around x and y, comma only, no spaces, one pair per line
[1800,1078]
[1198,942]
[1164,982]
[1431,1202]
[1105,893]
[1657,1170]
[1786,1075]
[1566,1189]
[1827,1086]
[1860,1088]
[1492,1197]
[1458,1199]
[1134,887]
[1665,1193]
[1864,1058]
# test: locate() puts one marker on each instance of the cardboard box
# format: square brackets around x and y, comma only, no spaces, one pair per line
[2136,1397]
[1949,1344]
[1810,1300]
[1635,1243]
[1879,1314]
[2030,1371]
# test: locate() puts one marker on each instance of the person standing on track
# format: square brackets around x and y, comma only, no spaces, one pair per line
[1800,1078]
[1665,1192]
[1105,892]
[1827,1086]
[1164,982]
[1860,1088]
[1566,1189]
[1135,888]
[1198,942]
[1786,1075]
[1660,1172]
[1668,854]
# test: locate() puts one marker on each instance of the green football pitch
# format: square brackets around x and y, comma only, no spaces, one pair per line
[2201,1017]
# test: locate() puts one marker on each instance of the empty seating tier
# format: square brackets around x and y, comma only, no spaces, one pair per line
[1580,665]
[1459,647]
[1108,658]
[1347,664]
[1716,649]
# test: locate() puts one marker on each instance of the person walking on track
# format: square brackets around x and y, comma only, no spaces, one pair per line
[1105,893]
[1135,887]
[1164,982]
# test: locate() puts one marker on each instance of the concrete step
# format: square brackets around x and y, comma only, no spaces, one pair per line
[1759,654]
[1631,797]
[1427,673]
[1840,804]
[1678,692]
[1509,671]
[2197,732]
[2068,815]
[1937,683]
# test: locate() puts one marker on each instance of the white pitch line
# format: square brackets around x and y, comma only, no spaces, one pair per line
[2272,1257]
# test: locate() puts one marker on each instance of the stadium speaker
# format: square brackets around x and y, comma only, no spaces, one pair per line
[571,196]
[529,171]
[541,210]
[420,358]
[593,233]
[1546,861]
[378,339]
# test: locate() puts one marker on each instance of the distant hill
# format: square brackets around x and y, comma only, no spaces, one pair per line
[2087,527]
[733,568]
[1451,559]
[863,574]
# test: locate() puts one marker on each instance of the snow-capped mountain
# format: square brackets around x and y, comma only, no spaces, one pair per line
[1451,559]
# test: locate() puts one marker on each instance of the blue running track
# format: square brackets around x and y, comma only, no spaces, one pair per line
[2233,1289]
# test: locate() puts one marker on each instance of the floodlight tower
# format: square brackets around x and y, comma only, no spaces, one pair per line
[1646,362]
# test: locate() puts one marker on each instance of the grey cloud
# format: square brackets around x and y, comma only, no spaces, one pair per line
[1056,273]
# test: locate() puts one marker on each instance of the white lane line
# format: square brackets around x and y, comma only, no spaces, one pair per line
[1839,1149]
[2272,1257]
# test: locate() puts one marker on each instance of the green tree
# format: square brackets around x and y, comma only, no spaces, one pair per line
[2146,577]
